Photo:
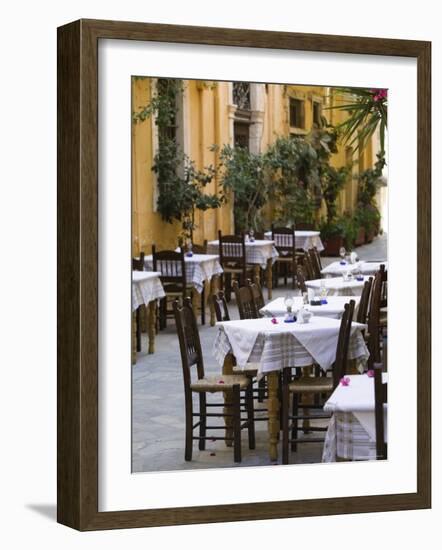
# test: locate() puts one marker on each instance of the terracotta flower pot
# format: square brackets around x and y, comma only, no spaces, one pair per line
[360,238]
[332,245]
[369,236]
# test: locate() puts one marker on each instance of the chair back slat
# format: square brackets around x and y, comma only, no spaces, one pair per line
[284,238]
[244,301]
[171,265]
[308,268]
[340,365]
[374,319]
[380,399]
[220,308]
[138,263]
[257,295]
[315,262]
[300,278]
[189,340]
[363,303]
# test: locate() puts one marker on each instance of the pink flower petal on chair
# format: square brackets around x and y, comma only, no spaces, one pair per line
[345,381]
[220,381]
[370,373]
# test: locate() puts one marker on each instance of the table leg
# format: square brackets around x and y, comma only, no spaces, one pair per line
[229,362]
[134,338]
[273,411]
[151,325]
[213,291]
[269,278]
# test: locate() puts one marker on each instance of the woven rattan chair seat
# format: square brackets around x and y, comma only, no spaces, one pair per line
[219,383]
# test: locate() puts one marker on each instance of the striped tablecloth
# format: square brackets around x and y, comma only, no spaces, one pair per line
[366,268]
[334,307]
[351,433]
[257,252]
[336,286]
[199,268]
[304,239]
[146,287]
[274,347]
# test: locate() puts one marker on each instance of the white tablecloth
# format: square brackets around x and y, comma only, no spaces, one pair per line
[199,268]
[146,286]
[336,286]
[351,433]
[285,344]
[334,307]
[257,252]
[304,239]
[366,268]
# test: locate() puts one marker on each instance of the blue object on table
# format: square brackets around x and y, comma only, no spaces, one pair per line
[323,301]
[343,262]
[359,277]
[290,320]
[189,254]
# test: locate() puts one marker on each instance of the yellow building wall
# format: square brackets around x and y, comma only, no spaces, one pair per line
[208,122]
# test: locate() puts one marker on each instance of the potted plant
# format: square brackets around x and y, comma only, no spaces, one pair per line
[368,218]
[332,236]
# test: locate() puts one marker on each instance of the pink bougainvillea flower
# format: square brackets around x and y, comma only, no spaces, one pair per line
[379,95]
[345,381]
[274,321]
[220,381]
[370,373]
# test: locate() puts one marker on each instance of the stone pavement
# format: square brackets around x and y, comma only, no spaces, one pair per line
[158,402]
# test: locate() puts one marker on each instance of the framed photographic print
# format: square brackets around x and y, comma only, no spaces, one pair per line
[243,269]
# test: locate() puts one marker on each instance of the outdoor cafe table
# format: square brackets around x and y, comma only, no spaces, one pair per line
[304,239]
[334,307]
[366,268]
[146,290]
[351,433]
[199,268]
[336,286]
[275,346]
[261,253]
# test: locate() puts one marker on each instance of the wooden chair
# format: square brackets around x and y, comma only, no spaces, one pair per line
[284,238]
[380,399]
[308,268]
[373,339]
[245,302]
[299,386]
[196,248]
[138,265]
[315,261]
[232,257]
[363,302]
[219,304]
[257,295]
[232,385]
[300,277]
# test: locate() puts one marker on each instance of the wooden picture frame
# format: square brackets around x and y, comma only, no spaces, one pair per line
[78,273]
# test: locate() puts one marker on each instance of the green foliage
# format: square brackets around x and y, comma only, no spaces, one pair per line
[242,173]
[333,181]
[368,217]
[369,181]
[367,112]
[181,185]
[343,226]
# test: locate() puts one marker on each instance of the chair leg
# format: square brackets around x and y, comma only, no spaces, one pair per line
[203,305]
[294,445]
[236,410]
[285,423]
[138,324]
[294,275]
[189,421]
[261,390]
[250,416]
[203,422]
